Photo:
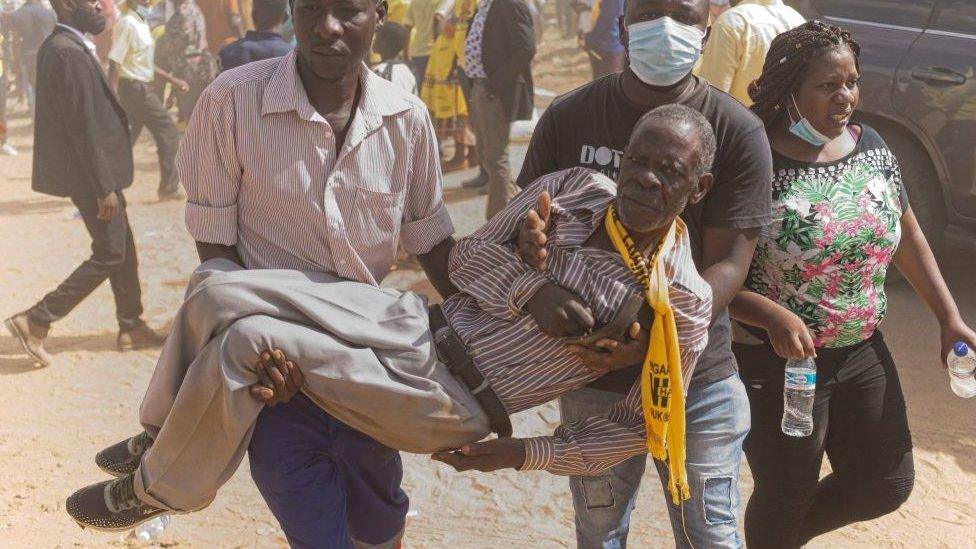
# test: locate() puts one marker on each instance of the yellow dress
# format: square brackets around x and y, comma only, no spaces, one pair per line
[441,90]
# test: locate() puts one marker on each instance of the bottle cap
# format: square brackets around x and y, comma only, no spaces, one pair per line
[960,349]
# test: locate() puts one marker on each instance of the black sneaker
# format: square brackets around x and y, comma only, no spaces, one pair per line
[110,506]
[477,181]
[123,458]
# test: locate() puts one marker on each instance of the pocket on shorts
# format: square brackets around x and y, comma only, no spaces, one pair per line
[598,492]
[717,500]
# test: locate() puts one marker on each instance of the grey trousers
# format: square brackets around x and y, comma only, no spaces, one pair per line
[367,355]
[492,129]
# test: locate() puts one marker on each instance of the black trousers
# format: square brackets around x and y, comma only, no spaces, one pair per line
[145,109]
[113,257]
[860,421]
[418,65]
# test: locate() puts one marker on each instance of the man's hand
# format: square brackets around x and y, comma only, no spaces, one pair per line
[181,85]
[608,355]
[559,312]
[108,206]
[487,456]
[279,378]
[532,236]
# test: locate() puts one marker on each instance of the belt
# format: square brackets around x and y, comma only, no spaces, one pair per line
[454,355]
[133,82]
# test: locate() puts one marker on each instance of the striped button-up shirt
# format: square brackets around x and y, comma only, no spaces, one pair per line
[262,173]
[524,366]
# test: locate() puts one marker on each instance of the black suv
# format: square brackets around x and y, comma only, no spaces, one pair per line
[918,90]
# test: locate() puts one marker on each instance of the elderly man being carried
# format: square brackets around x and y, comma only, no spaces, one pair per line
[436,380]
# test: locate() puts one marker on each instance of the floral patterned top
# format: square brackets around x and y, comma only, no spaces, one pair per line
[835,229]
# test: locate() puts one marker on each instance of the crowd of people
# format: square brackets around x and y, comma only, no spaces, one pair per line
[698,213]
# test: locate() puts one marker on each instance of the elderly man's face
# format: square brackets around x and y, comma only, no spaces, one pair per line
[658,175]
[334,36]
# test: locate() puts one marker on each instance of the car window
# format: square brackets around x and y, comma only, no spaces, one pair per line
[902,13]
[956,16]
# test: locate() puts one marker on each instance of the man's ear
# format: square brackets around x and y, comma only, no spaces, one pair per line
[382,8]
[622,27]
[705,183]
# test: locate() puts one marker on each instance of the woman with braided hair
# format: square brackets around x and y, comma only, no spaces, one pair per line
[816,289]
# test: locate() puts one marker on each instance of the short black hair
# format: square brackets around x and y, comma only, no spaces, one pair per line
[391,39]
[268,13]
[674,115]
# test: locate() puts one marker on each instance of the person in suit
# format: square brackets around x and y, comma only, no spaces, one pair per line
[82,151]
[498,61]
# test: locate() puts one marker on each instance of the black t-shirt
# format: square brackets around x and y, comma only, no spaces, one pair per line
[590,127]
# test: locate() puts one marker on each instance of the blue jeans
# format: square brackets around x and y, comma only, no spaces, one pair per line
[329,486]
[717,419]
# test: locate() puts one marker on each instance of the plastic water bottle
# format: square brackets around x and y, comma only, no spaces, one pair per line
[799,390]
[152,530]
[962,367]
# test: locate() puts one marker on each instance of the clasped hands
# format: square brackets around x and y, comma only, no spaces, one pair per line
[559,313]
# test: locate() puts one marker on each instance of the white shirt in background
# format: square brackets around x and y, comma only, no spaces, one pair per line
[133,48]
[399,73]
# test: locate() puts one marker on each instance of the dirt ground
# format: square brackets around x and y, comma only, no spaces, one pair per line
[54,420]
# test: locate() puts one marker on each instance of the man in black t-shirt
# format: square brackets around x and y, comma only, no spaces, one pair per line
[589,127]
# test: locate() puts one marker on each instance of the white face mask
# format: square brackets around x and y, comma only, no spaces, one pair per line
[663,51]
[142,11]
[803,129]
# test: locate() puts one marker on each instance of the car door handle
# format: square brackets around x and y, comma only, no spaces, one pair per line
[939,76]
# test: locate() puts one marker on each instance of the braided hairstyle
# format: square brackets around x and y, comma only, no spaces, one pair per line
[787,62]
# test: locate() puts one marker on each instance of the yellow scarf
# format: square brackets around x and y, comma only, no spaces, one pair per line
[662,389]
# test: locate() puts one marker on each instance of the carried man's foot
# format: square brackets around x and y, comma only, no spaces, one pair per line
[122,458]
[141,337]
[110,506]
[31,338]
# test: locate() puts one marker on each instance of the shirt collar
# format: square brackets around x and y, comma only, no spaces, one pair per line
[84,39]
[285,93]
[263,35]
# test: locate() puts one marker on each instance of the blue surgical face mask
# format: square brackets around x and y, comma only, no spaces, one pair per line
[803,129]
[663,51]
[142,11]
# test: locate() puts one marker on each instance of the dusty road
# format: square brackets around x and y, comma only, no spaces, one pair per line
[52,421]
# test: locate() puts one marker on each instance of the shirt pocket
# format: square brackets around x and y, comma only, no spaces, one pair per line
[374,224]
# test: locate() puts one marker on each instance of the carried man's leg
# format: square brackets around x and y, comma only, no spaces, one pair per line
[357,346]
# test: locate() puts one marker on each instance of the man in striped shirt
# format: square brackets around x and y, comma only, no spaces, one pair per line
[366,352]
[513,318]
[311,163]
